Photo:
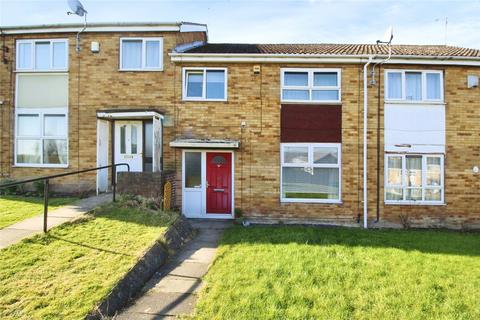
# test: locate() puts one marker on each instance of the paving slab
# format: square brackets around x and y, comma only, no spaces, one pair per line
[175,284]
[190,269]
[161,305]
[29,227]
[172,291]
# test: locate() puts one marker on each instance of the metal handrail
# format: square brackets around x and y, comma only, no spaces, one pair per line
[46,185]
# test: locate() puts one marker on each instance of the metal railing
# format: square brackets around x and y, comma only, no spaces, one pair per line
[46,185]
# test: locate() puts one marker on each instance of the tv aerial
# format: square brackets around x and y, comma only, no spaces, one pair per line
[387,37]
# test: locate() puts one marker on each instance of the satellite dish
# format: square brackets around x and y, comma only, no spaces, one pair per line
[77,8]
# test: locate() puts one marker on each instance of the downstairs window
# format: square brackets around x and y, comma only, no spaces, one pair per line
[414,179]
[311,172]
[41,137]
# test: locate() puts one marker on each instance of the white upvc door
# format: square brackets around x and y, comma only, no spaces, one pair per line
[129,145]
[195,185]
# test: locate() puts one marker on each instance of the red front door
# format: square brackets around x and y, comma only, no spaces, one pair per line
[219,182]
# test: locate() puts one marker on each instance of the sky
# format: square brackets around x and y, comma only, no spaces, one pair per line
[277,21]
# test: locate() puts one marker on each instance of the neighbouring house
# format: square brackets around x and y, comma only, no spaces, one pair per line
[274,131]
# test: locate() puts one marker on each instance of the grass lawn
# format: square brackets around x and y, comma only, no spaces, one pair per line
[339,273]
[18,208]
[62,275]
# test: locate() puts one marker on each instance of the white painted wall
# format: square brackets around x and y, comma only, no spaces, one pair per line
[420,125]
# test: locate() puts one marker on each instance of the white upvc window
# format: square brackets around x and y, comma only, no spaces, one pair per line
[41,137]
[311,172]
[310,85]
[414,179]
[205,84]
[141,54]
[42,55]
[414,86]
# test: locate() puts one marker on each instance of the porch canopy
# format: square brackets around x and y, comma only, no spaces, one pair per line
[205,143]
[119,114]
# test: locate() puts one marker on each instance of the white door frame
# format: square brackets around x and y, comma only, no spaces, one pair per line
[203,210]
[103,139]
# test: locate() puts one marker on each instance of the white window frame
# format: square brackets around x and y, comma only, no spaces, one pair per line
[144,53]
[33,53]
[424,86]
[424,179]
[310,87]
[312,165]
[204,70]
[41,112]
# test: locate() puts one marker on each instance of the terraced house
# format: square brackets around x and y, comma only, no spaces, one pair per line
[272,131]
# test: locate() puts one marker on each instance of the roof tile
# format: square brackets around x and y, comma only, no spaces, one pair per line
[336,49]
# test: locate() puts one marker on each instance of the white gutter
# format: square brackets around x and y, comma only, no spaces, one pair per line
[365,146]
[321,58]
[108,27]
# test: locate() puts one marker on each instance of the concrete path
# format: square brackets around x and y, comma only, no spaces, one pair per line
[29,227]
[172,291]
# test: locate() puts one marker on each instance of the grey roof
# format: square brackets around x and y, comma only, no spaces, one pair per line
[335,49]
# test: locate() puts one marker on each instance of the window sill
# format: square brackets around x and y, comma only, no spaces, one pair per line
[310,102]
[414,203]
[204,100]
[41,71]
[436,102]
[44,166]
[320,201]
[141,70]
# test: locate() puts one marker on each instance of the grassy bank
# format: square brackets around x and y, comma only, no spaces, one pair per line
[339,273]
[62,275]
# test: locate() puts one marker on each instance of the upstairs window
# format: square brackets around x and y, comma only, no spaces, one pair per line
[141,54]
[414,86]
[42,55]
[310,85]
[209,84]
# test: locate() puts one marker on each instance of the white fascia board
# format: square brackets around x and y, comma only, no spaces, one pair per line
[36,30]
[192,27]
[186,57]
[292,58]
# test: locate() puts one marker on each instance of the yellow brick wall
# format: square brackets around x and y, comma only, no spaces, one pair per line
[255,99]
